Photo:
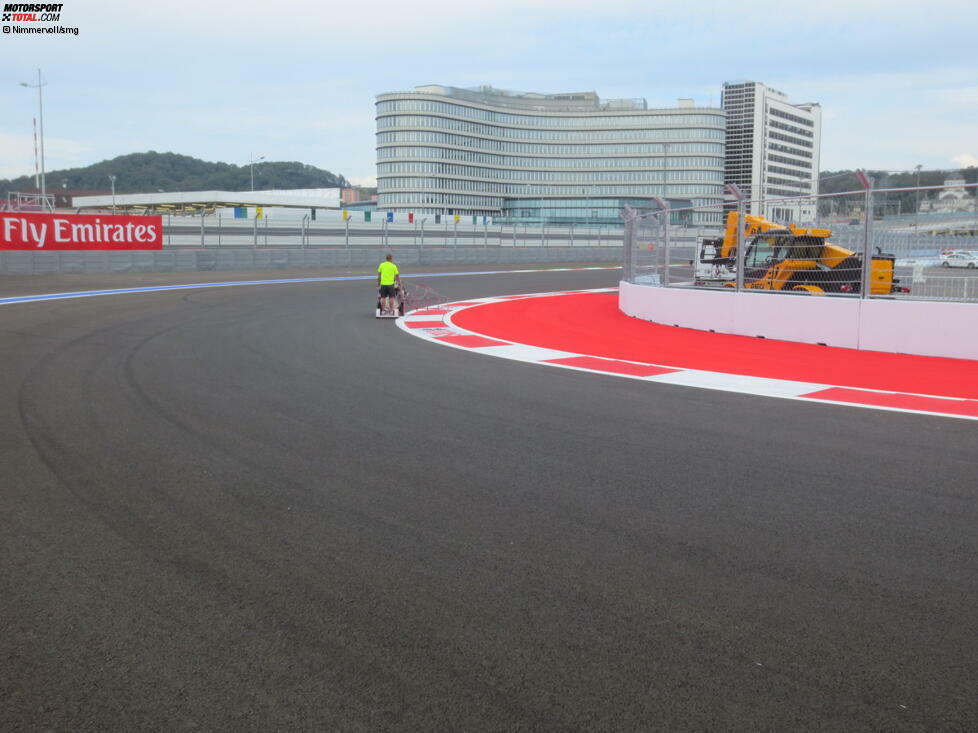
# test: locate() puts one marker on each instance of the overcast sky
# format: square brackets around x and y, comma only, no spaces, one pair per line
[296,79]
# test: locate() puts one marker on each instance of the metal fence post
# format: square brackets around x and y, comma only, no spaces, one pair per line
[169,230]
[455,235]
[485,232]
[255,225]
[741,244]
[572,234]
[347,242]
[202,228]
[735,191]
[666,216]
[514,233]
[422,232]
[628,263]
[867,264]
[265,227]
[218,230]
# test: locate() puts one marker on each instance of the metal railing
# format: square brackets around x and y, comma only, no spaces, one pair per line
[28,202]
[218,231]
[929,256]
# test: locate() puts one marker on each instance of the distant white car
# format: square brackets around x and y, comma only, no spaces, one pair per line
[960,259]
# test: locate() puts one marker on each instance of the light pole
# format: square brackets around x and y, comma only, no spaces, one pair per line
[252,159]
[40,110]
[112,181]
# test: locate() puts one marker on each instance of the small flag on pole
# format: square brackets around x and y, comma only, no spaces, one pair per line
[366,216]
[410,218]
[346,214]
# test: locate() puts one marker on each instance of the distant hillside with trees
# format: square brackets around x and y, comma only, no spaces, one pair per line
[904,201]
[152,172]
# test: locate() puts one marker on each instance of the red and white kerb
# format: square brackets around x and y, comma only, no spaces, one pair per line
[435,325]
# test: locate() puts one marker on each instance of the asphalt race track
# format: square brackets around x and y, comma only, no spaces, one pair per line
[259,508]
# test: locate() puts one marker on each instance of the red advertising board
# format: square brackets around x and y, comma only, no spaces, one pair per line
[19,230]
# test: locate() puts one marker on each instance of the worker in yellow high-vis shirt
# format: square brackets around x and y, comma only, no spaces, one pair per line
[389,279]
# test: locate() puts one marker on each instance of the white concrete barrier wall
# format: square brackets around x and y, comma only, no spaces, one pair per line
[920,327]
[905,326]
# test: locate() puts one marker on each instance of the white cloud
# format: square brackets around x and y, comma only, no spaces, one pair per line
[965,160]
[18,159]
[365,181]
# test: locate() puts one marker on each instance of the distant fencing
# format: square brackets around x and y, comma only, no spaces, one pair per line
[189,259]
[934,255]
[217,231]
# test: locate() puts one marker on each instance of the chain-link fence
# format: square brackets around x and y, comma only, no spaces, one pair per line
[852,244]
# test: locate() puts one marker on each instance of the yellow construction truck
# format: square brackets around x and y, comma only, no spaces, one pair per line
[791,259]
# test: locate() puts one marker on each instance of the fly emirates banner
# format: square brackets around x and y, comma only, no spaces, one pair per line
[79,231]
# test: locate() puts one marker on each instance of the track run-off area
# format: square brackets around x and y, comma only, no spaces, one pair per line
[256,507]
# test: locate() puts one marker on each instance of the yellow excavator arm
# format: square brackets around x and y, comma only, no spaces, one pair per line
[754,225]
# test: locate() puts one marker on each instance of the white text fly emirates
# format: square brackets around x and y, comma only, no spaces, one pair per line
[82,232]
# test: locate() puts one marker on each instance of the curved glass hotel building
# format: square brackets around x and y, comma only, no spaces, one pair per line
[543,158]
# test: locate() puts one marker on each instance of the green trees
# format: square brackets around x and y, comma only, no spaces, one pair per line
[151,172]
[898,202]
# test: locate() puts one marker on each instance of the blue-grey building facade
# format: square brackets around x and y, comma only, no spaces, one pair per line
[542,158]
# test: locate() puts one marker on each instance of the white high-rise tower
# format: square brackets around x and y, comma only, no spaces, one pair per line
[772,149]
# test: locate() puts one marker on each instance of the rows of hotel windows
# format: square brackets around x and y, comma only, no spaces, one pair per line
[559,211]
[790,161]
[421,136]
[791,128]
[385,185]
[417,201]
[785,149]
[581,205]
[489,203]
[786,171]
[737,151]
[789,139]
[597,212]
[394,152]
[511,133]
[788,116]
[602,216]
[447,169]
[424,211]
[799,186]
[391,156]
[785,191]
[545,120]
[565,217]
